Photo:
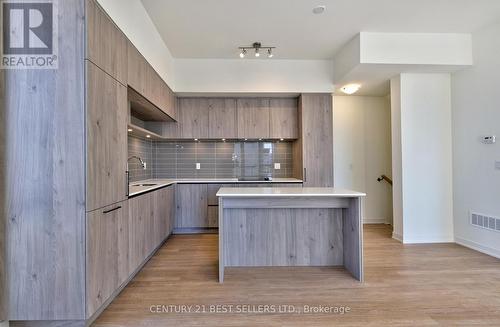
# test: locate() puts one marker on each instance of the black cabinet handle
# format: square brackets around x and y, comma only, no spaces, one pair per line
[127,183]
[107,211]
[305,175]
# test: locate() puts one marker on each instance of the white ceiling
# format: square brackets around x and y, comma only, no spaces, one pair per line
[215,28]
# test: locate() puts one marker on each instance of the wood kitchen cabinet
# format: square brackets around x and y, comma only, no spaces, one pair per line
[106,44]
[164,212]
[193,118]
[106,139]
[222,119]
[137,77]
[283,118]
[145,80]
[107,253]
[253,118]
[191,206]
[313,151]
[141,228]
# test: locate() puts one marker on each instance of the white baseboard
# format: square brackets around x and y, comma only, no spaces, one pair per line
[429,239]
[370,220]
[478,247]
[397,237]
[423,240]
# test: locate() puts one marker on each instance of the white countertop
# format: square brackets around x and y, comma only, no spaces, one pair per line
[134,189]
[287,191]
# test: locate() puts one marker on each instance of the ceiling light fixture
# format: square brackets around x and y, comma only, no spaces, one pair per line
[148,136]
[257,47]
[130,130]
[243,53]
[350,88]
[319,10]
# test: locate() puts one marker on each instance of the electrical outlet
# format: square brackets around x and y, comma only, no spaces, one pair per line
[198,166]
[277,166]
[497,165]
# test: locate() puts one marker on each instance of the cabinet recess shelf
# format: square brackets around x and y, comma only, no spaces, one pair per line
[141,108]
[142,132]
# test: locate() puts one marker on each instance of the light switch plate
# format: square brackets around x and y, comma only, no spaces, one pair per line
[198,166]
[277,165]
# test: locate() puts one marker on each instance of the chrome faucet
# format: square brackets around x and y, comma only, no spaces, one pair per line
[143,164]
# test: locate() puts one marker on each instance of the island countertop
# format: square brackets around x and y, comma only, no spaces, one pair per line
[288,192]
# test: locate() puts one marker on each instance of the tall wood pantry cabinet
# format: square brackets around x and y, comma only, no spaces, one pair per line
[72,236]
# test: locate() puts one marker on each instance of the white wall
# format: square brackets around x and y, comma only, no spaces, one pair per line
[397,168]
[416,48]
[253,75]
[132,18]
[476,112]
[424,207]
[362,143]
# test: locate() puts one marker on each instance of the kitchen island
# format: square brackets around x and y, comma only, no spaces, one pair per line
[286,226]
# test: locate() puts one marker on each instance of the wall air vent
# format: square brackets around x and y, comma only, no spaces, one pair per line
[484,221]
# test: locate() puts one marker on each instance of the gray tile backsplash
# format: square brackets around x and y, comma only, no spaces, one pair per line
[229,159]
[142,148]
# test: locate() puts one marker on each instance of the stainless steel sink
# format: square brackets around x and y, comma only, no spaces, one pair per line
[145,184]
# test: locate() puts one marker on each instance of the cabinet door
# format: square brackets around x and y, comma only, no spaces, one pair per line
[107,253]
[163,213]
[191,208]
[137,70]
[106,44]
[222,119]
[193,118]
[141,222]
[213,216]
[106,139]
[253,118]
[317,140]
[212,193]
[283,113]
[169,100]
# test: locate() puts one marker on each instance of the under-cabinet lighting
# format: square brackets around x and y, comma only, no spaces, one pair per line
[282,139]
[130,130]
[196,139]
[223,139]
[148,136]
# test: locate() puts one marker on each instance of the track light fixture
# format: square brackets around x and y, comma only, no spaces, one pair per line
[257,46]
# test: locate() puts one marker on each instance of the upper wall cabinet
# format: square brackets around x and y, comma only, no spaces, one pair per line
[253,118]
[283,118]
[137,70]
[146,81]
[106,44]
[193,118]
[222,119]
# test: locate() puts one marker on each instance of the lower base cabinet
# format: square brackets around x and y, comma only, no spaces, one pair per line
[191,206]
[107,253]
[197,205]
[120,238]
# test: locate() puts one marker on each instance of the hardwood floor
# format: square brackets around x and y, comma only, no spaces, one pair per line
[405,285]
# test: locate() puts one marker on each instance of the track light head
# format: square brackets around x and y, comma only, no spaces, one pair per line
[270,53]
[243,53]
